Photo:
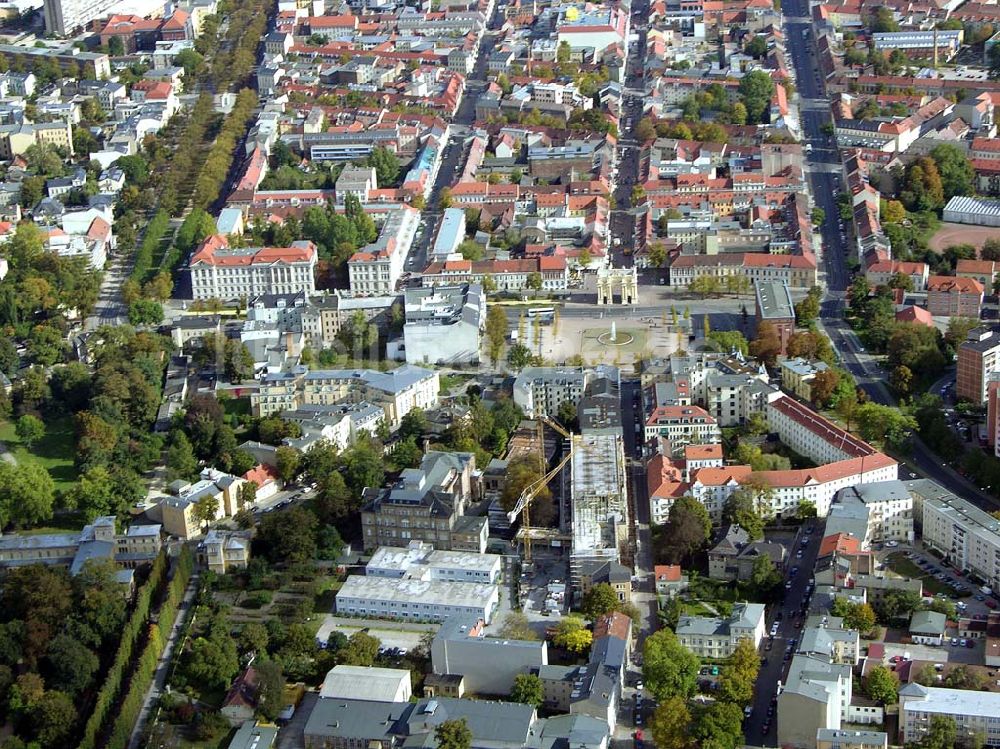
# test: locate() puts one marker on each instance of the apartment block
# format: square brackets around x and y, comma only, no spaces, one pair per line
[444,324]
[797,376]
[539,391]
[809,434]
[968,537]
[816,695]
[219,272]
[974,713]
[887,510]
[951,296]
[715,637]
[978,358]
[95,65]
[397,391]
[15,139]
[376,268]
[830,738]
[993,413]
[508,275]
[797,271]
[682,425]
[320,317]
[427,504]
[827,637]
[712,484]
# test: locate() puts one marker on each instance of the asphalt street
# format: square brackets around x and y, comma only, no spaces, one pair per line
[457,146]
[825,184]
[631,167]
[791,619]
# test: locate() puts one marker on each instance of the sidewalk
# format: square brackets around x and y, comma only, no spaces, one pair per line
[159,680]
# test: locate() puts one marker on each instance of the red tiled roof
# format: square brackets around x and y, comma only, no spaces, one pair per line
[722,476]
[986,144]
[949,284]
[917,315]
[680,413]
[333,22]
[261,474]
[663,478]
[177,21]
[243,692]
[263,255]
[823,428]
[841,542]
[668,573]
[615,624]
[826,473]
[987,267]
[703,452]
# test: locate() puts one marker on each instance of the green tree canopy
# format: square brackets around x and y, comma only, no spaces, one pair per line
[600,599]
[668,668]
[527,690]
[881,685]
[453,734]
[686,531]
[671,724]
[572,634]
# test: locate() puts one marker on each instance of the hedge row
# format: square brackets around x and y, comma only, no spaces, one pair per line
[134,627]
[145,670]
[155,230]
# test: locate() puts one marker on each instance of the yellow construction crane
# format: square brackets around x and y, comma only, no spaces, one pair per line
[526,532]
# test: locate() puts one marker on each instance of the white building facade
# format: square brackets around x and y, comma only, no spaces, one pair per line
[218,272]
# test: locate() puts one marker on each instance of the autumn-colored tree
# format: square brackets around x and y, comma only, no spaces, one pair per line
[901,380]
[892,212]
[922,189]
[572,634]
[823,385]
[671,724]
[767,345]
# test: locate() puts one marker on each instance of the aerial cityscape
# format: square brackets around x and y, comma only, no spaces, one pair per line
[494,374]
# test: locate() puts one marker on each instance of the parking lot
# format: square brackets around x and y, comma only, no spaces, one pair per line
[940,579]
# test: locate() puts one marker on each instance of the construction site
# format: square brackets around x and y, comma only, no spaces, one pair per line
[598,501]
[587,476]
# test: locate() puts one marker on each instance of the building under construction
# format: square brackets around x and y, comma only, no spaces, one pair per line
[599,500]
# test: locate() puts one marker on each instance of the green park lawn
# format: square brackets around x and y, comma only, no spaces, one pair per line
[54,452]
